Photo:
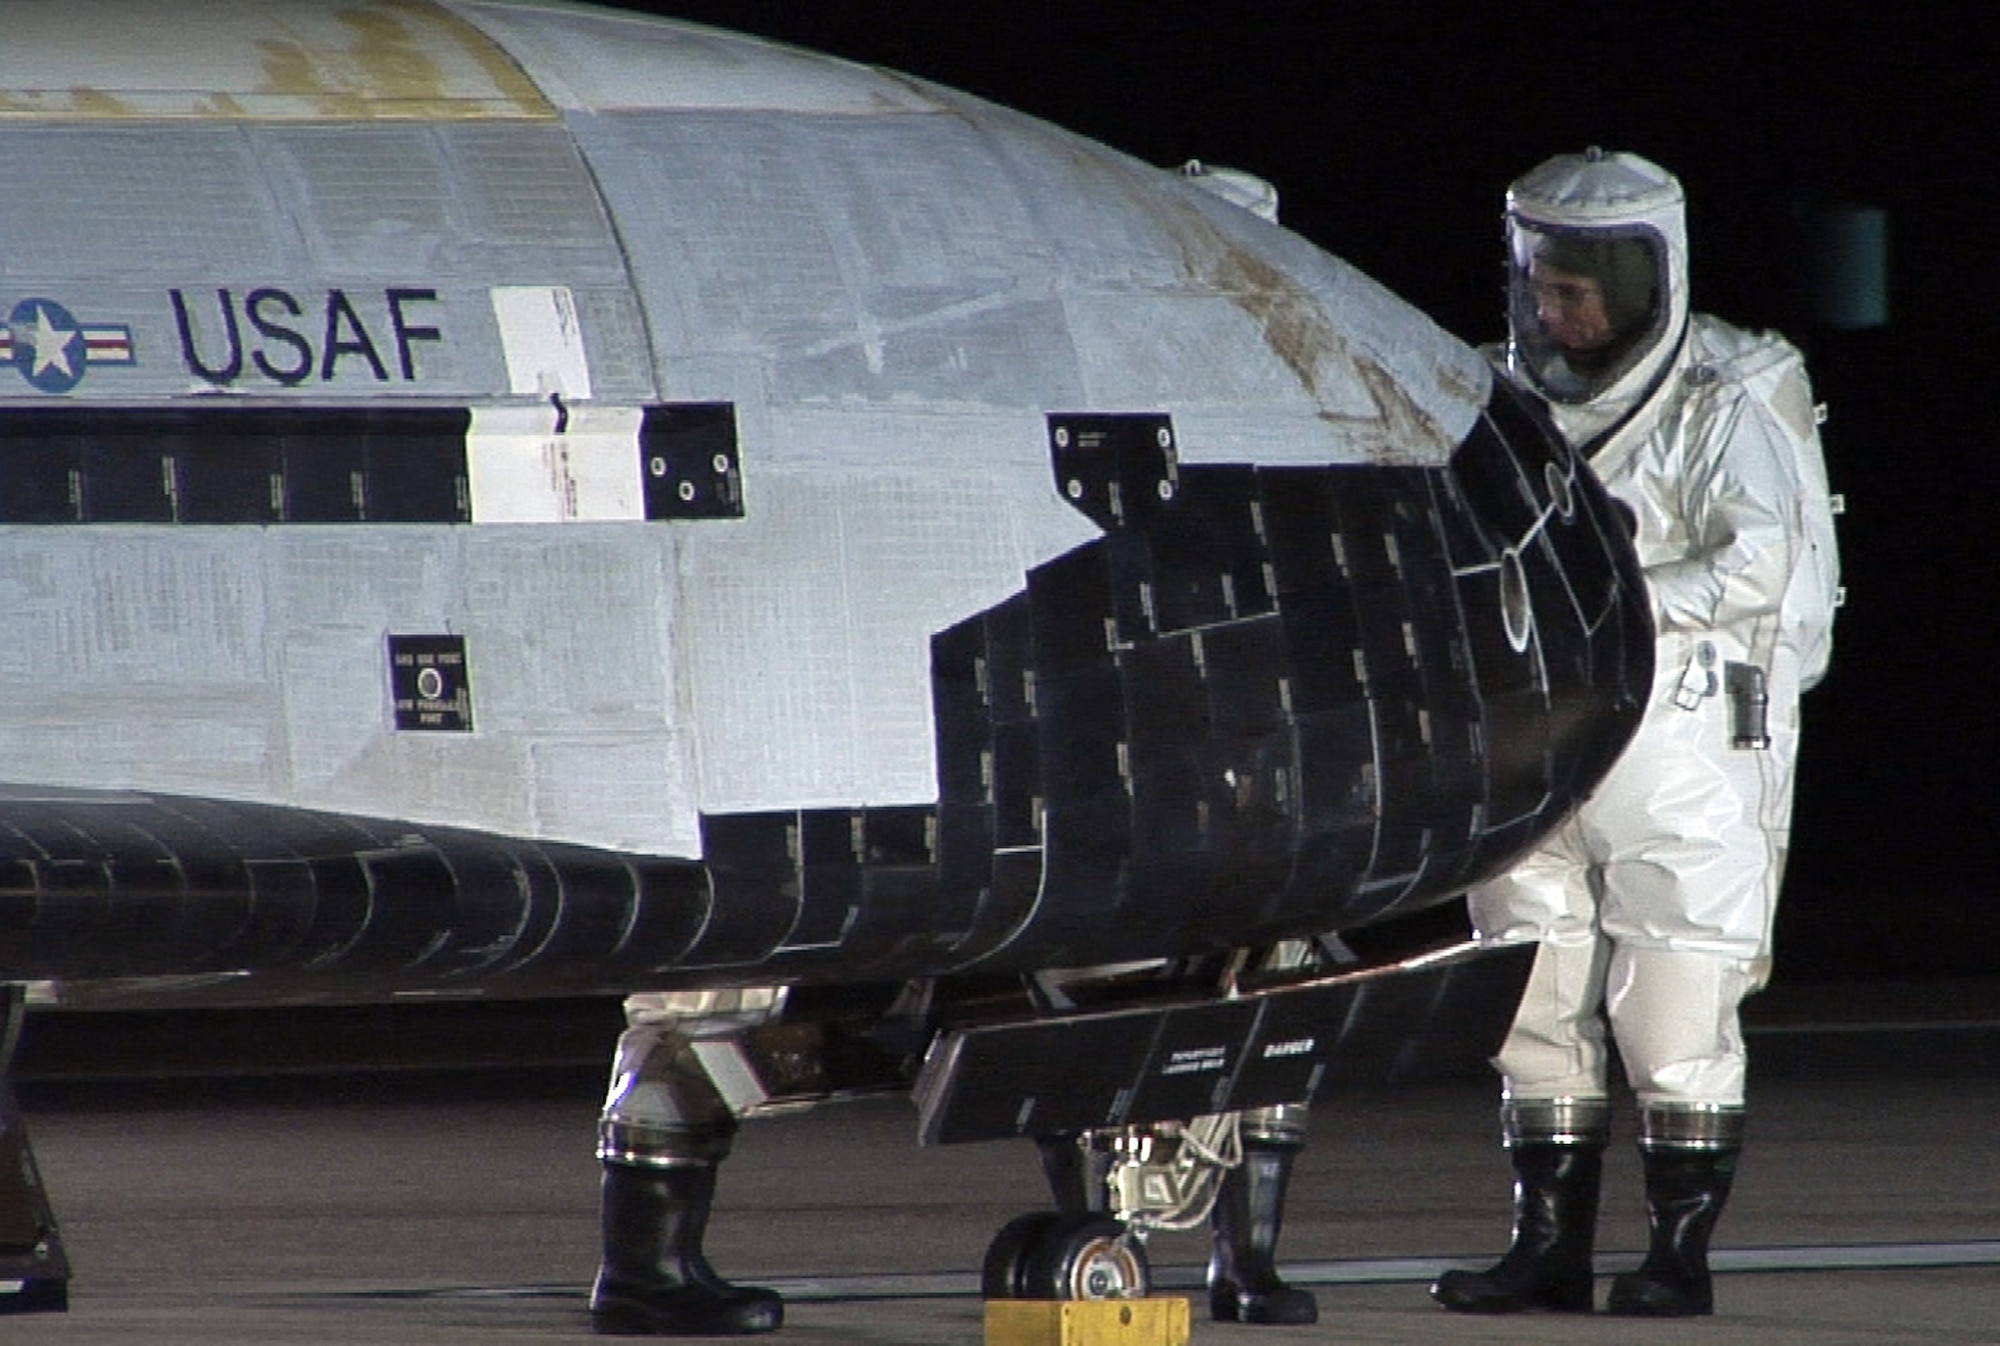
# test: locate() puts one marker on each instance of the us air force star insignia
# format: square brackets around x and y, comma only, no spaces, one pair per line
[53,351]
[52,344]
[46,342]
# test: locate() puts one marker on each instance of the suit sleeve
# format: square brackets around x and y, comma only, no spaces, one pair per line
[1736,500]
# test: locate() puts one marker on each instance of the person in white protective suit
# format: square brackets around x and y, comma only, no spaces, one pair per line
[664,1131]
[1652,906]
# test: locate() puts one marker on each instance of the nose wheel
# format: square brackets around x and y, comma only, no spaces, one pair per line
[1046,1255]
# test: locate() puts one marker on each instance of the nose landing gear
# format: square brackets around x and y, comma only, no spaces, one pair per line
[1048,1255]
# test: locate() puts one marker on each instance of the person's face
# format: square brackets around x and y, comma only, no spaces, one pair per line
[1570,308]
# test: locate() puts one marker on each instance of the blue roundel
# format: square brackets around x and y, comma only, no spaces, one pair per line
[48,345]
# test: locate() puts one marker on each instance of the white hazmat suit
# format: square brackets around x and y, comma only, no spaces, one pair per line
[1653,905]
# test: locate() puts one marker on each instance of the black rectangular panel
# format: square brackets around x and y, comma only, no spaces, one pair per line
[1129,1067]
[1070,605]
[1193,1067]
[1010,661]
[1286,1055]
[959,710]
[1030,1080]
[1249,675]
[228,480]
[40,476]
[756,883]
[431,684]
[1299,522]
[416,468]
[1116,468]
[1322,645]
[1168,1062]
[234,465]
[965,848]
[1209,556]
[1017,789]
[689,461]
[126,477]
[325,475]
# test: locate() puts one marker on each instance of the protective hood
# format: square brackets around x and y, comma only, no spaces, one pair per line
[1597,284]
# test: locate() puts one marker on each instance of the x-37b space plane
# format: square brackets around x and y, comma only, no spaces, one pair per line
[503,498]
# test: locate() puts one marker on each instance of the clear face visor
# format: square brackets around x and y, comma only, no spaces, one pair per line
[1584,306]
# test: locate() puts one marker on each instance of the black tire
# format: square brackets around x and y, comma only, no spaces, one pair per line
[1086,1257]
[1003,1275]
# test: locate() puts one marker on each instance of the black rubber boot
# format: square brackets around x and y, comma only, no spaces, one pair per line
[1548,1265]
[1243,1281]
[655,1281]
[1685,1193]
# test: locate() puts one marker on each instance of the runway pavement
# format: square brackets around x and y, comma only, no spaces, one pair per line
[398,1208]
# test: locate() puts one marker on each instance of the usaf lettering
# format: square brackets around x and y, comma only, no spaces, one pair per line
[279,345]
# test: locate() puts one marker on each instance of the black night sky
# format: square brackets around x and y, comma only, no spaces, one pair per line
[1391,128]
